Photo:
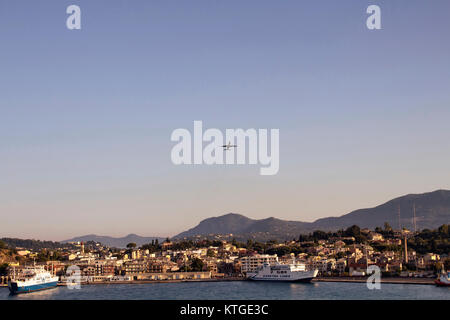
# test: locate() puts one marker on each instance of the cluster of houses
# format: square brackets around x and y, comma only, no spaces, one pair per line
[332,257]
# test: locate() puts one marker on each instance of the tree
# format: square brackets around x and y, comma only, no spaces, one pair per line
[280,251]
[131,245]
[447,264]
[304,238]
[320,235]
[197,264]
[387,227]
[443,229]
[2,245]
[353,231]
[341,255]
[3,269]
[433,245]
[211,253]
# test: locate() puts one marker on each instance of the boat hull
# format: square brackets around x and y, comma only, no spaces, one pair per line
[303,280]
[283,273]
[15,289]
[439,283]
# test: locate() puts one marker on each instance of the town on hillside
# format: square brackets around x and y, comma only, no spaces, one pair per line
[345,253]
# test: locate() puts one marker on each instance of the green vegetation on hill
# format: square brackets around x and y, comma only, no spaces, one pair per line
[435,241]
[7,255]
[155,246]
[33,244]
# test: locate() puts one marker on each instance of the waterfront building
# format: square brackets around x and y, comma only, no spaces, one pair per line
[135,267]
[88,271]
[104,268]
[341,265]
[431,257]
[287,259]
[156,267]
[252,263]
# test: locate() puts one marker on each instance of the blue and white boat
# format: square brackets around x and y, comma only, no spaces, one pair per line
[444,280]
[32,279]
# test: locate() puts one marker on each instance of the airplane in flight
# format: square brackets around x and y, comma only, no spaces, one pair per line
[229,146]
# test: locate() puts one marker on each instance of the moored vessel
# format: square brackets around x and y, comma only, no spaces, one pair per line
[443,280]
[32,279]
[283,272]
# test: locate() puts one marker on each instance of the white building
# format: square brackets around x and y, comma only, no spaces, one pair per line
[252,263]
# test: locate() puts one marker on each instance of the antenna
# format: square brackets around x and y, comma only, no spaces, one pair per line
[414,217]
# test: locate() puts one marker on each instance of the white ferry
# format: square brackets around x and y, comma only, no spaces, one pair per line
[444,280]
[32,279]
[283,272]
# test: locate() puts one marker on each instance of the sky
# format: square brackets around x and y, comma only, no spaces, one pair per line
[86,115]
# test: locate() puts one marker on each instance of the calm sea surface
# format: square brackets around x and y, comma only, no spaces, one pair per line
[240,290]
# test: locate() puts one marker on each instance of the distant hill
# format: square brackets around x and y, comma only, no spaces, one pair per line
[245,228]
[14,243]
[115,242]
[432,211]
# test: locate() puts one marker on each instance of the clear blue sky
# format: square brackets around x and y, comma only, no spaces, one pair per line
[86,115]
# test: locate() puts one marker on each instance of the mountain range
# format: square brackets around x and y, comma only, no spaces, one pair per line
[432,210]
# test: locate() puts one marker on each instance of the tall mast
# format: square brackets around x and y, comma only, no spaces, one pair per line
[415,231]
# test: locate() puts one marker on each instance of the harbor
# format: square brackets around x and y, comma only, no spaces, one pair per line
[390,280]
[323,258]
[236,290]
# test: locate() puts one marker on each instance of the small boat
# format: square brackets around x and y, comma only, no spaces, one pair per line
[444,280]
[283,272]
[32,279]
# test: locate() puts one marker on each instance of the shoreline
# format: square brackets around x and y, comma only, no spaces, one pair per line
[158,281]
[415,281]
[390,280]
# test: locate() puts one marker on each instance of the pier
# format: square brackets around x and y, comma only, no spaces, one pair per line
[391,280]
[160,281]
